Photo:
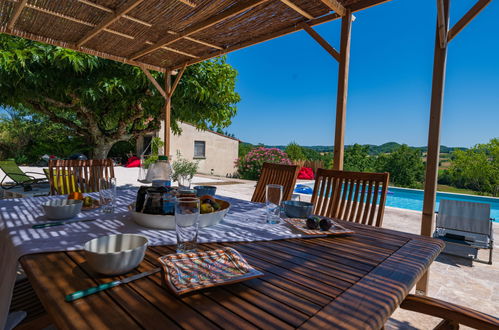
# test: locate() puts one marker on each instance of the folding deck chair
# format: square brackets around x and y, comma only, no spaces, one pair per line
[465,224]
[20,178]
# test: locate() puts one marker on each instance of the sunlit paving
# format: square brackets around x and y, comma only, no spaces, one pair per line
[223,164]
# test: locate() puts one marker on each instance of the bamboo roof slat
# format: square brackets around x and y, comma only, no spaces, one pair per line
[164,35]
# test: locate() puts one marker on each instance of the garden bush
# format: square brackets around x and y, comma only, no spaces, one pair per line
[250,166]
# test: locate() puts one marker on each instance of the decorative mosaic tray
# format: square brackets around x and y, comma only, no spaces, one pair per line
[301,226]
[185,272]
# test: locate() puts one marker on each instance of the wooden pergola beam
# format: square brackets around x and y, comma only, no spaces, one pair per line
[321,41]
[467,18]
[341,98]
[17,13]
[154,82]
[201,42]
[108,21]
[188,3]
[177,80]
[255,41]
[336,6]
[237,9]
[297,9]
[441,26]
[168,112]
[433,154]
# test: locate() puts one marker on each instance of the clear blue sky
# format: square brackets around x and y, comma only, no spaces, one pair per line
[288,85]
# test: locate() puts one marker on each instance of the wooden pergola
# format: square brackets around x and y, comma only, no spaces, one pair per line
[169,35]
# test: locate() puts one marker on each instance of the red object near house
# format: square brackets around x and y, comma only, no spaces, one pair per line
[306,173]
[133,162]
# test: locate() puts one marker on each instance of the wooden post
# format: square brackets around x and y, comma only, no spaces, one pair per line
[341,101]
[168,109]
[437,98]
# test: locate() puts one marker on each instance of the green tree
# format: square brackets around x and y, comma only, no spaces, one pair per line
[476,168]
[294,151]
[405,166]
[311,154]
[26,137]
[244,148]
[357,159]
[104,101]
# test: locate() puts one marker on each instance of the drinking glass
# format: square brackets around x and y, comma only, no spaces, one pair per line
[107,194]
[187,223]
[273,199]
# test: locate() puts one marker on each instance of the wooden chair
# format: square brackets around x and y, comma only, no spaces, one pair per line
[284,175]
[350,196]
[67,176]
[453,315]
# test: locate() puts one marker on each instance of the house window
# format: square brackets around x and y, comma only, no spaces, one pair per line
[199,149]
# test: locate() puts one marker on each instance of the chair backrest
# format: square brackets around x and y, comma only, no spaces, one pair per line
[67,176]
[13,171]
[465,216]
[284,175]
[351,196]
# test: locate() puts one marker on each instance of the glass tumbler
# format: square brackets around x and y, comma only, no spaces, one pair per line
[187,223]
[107,194]
[273,199]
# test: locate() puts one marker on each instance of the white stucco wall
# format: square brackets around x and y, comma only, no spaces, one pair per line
[220,151]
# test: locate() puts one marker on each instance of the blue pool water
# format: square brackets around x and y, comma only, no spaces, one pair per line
[412,199]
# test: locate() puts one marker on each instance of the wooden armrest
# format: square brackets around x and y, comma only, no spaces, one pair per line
[448,311]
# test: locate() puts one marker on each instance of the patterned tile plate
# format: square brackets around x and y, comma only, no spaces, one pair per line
[185,272]
[301,226]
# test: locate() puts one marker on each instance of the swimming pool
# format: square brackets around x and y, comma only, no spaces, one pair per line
[412,199]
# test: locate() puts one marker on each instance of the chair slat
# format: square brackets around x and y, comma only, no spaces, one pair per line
[374,202]
[284,175]
[367,204]
[67,176]
[350,196]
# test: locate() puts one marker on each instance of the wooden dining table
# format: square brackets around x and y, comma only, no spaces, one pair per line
[349,282]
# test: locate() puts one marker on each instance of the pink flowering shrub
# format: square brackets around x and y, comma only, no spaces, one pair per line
[249,166]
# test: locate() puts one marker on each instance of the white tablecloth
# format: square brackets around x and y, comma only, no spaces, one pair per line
[244,222]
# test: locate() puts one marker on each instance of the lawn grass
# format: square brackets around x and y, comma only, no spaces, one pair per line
[451,189]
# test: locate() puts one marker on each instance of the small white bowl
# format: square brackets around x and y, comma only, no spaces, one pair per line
[115,254]
[59,209]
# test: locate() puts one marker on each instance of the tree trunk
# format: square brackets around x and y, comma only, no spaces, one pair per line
[101,150]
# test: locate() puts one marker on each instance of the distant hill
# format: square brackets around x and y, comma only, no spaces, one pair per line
[374,149]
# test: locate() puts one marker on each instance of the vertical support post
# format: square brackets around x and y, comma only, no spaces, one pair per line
[168,110]
[433,154]
[341,98]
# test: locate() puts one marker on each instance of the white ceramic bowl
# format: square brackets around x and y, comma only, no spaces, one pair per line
[58,209]
[157,221]
[115,254]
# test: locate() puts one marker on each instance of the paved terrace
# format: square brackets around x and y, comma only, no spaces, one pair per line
[453,279]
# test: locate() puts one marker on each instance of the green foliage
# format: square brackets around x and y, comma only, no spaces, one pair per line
[357,159]
[27,137]
[404,165]
[184,168]
[294,151]
[103,101]
[250,166]
[311,154]
[122,149]
[476,168]
[244,148]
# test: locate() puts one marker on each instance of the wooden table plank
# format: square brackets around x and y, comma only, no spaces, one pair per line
[379,293]
[55,277]
[352,282]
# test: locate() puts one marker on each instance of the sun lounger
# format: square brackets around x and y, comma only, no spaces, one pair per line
[465,224]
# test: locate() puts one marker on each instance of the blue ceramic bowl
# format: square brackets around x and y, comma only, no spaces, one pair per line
[297,209]
[205,190]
